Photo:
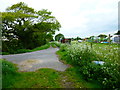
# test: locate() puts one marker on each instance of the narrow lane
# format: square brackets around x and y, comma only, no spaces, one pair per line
[39,59]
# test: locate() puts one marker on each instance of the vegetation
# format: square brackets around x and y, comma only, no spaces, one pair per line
[25,28]
[118,33]
[27,50]
[77,38]
[82,57]
[59,36]
[42,78]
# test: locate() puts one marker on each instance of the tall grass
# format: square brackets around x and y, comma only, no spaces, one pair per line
[82,55]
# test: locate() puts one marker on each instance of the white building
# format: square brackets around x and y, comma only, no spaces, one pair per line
[116,39]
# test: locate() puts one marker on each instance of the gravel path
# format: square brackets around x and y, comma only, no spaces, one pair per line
[39,59]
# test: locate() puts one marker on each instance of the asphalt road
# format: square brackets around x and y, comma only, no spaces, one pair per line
[35,60]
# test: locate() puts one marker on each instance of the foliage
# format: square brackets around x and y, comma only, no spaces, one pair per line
[12,46]
[81,55]
[77,38]
[42,47]
[118,33]
[102,37]
[8,67]
[59,36]
[42,78]
[27,50]
[58,44]
[28,27]
[9,71]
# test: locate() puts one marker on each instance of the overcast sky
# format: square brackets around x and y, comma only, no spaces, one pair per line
[81,18]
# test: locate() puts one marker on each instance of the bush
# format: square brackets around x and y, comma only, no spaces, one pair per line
[11,46]
[106,74]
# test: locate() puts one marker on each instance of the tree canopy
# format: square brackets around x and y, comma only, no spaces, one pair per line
[59,36]
[31,28]
[118,33]
[102,36]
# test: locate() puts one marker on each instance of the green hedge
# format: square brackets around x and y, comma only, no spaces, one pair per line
[17,51]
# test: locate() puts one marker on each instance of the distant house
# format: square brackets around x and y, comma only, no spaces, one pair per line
[66,40]
[116,39]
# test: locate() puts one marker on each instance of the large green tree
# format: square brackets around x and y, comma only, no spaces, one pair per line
[102,37]
[59,36]
[30,27]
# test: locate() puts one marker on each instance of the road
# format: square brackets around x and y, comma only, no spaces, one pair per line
[35,60]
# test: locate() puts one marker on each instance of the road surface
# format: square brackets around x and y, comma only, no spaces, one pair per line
[35,60]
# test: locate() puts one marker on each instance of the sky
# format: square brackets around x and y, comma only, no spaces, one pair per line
[82,18]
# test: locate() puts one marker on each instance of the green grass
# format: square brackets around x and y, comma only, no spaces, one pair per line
[41,47]
[81,55]
[74,75]
[53,44]
[109,50]
[42,78]
[76,80]
[49,78]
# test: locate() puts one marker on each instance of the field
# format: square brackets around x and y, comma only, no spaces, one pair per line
[82,56]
